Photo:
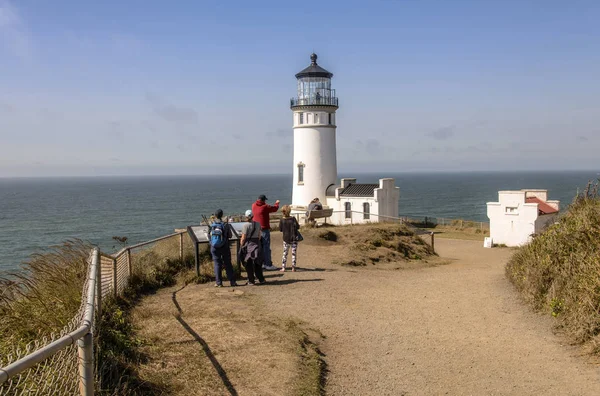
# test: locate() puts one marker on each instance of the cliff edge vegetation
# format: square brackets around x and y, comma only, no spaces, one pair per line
[559,271]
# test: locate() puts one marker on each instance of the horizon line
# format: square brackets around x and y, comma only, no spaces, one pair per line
[344,174]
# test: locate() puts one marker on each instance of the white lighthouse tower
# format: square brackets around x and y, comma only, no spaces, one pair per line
[315,164]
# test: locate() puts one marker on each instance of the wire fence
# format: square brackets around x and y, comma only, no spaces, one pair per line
[357,217]
[63,363]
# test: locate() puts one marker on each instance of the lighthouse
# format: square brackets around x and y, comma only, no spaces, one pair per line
[315,160]
[315,163]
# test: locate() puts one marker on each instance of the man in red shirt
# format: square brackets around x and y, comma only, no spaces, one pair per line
[260,211]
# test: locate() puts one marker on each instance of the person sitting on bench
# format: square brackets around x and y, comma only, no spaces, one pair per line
[315,204]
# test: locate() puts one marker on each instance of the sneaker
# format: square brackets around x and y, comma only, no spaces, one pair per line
[262,282]
[250,284]
[218,285]
[282,269]
[293,269]
[234,285]
[270,268]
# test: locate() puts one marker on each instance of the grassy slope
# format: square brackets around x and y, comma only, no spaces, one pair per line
[559,271]
[374,243]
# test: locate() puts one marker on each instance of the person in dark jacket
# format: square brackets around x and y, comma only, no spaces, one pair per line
[221,254]
[251,250]
[289,227]
[261,211]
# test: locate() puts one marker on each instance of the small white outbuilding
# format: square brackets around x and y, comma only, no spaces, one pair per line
[355,203]
[518,215]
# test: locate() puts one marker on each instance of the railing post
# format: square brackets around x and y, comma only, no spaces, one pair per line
[432,241]
[129,266]
[114,277]
[85,350]
[181,246]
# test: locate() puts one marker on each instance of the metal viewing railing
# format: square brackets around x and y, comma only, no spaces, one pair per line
[314,101]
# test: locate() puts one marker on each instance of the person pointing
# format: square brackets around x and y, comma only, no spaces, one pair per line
[261,211]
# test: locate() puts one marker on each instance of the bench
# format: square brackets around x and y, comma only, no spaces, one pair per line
[313,215]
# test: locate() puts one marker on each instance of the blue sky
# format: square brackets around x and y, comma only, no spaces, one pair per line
[192,87]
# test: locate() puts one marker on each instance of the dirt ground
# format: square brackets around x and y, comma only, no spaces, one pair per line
[457,328]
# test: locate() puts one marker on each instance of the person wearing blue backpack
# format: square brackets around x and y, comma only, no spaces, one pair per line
[219,236]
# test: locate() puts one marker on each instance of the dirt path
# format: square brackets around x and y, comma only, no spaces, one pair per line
[452,329]
[455,329]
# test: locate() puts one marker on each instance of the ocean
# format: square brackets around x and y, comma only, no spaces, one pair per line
[38,213]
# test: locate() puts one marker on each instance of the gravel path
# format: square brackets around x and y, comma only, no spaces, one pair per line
[455,329]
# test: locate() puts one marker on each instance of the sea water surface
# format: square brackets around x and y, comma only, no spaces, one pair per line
[37,213]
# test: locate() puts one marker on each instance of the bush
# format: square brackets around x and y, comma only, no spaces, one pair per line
[559,271]
[328,236]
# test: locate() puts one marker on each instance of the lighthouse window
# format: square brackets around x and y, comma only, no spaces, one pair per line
[330,123]
[366,211]
[300,173]
[348,210]
[300,118]
[316,118]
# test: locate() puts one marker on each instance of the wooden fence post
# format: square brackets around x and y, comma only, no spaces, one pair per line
[432,241]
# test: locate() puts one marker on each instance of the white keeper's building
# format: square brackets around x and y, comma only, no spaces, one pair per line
[315,160]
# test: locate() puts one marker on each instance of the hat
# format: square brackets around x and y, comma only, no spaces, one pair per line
[262,197]
[249,213]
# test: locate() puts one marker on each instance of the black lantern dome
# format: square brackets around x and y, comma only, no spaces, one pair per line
[314,70]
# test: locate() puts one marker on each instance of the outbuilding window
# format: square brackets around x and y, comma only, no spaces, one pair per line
[366,211]
[348,209]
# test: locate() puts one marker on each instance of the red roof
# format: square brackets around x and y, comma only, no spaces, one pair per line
[543,207]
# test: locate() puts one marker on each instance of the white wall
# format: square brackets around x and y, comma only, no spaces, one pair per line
[387,197]
[356,205]
[315,147]
[512,221]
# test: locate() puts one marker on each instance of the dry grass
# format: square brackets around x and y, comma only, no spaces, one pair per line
[376,243]
[44,296]
[457,234]
[559,271]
